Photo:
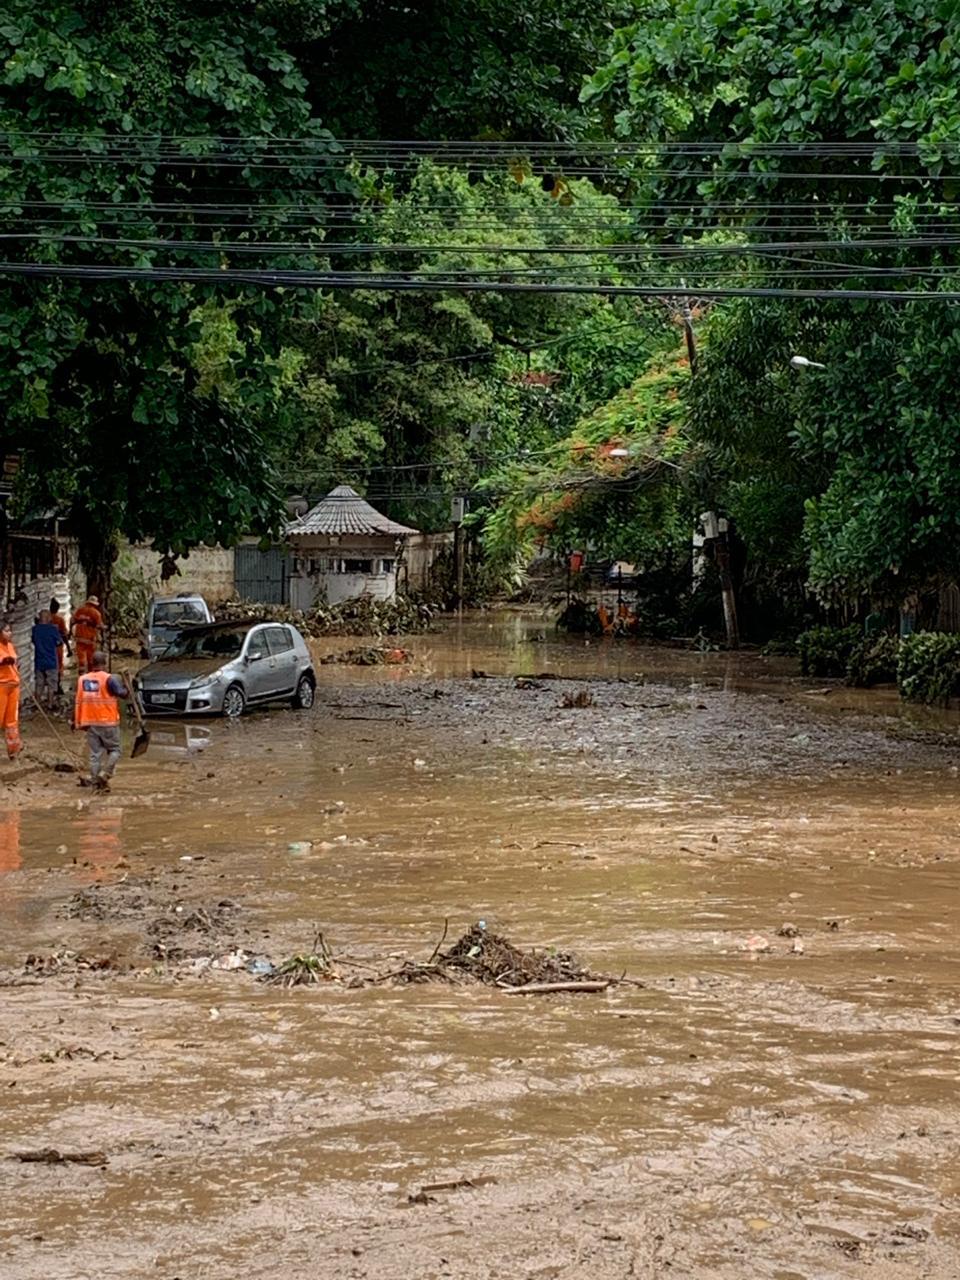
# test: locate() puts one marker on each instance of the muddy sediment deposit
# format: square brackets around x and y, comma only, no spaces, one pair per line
[774,1095]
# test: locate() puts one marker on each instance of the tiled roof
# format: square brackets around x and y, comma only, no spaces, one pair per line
[343,511]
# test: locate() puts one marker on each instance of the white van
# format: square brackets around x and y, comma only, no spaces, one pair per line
[167,616]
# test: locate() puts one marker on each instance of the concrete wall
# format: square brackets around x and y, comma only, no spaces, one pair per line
[207,571]
[420,551]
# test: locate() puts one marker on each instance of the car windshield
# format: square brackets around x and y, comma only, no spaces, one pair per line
[224,644]
[174,613]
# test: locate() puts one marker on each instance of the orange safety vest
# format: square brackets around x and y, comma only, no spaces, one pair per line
[87,622]
[95,704]
[8,672]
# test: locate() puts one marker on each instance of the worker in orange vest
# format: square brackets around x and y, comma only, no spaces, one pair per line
[97,710]
[86,628]
[9,691]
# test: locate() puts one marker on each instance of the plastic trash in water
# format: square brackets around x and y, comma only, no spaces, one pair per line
[260,967]
[299,846]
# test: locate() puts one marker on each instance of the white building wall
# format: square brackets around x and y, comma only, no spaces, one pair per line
[30,599]
[313,579]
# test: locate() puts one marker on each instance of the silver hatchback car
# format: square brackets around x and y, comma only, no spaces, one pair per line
[226,667]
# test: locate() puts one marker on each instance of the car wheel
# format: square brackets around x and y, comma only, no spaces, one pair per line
[303,698]
[234,702]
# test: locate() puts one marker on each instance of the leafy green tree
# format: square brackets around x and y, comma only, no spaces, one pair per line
[443,386]
[754,74]
[140,406]
[847,475]
[439,70]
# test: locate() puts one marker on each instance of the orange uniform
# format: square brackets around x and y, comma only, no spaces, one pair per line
[58,621]
[10,699]
[95,704]
[87,625]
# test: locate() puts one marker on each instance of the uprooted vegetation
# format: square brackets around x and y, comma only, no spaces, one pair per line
[490,959]
[305,969]
[362,617]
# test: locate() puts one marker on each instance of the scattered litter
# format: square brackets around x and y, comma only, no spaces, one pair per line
[788,930]
[425,1194]
[49,1155]
[57,962]
[299,846]
[231,960]
[259,967]
[797,948]
[755,944]
[582,698]
[419,763]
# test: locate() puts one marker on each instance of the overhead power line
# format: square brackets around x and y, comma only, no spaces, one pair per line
[400,284]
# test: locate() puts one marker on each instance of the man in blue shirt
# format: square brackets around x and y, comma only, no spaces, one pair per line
[46,641]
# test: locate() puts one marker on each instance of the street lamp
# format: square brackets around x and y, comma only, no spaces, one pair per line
[801,362]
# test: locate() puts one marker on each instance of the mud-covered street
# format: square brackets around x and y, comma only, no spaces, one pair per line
[772,862]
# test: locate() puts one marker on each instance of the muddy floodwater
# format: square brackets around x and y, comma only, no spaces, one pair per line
[772,862]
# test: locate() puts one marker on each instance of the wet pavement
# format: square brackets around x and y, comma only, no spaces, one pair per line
[764,1102]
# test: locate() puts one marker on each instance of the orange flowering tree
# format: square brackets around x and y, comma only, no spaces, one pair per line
[616,482]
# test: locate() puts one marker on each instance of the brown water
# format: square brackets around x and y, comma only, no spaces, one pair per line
[739,1114]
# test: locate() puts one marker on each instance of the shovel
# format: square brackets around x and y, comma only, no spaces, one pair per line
[142,741]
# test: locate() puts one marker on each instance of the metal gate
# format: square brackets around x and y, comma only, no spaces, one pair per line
[261,576]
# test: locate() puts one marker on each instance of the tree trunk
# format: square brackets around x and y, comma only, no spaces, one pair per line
[98,550]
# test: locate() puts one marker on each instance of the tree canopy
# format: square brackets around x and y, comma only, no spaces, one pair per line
[756,143]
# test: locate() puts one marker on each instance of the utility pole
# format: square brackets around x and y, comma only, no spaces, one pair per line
[457,506]
[717,531]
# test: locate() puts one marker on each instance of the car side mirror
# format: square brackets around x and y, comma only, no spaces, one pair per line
[253,657]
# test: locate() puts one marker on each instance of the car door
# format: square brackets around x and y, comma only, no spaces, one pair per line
[284,655]
[257,672]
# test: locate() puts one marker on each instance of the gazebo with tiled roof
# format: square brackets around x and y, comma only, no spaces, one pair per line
[344,548]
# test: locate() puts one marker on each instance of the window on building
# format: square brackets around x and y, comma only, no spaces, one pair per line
[387,566]
[358,566]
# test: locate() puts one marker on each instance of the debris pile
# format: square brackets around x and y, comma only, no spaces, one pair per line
[489,958]
[304,970]
[369,657]
[582,698]
[191,933]
[362,617]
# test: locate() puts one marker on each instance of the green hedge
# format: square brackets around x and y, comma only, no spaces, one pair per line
[825,651]
[928,669]
[926,666]
[873,660]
